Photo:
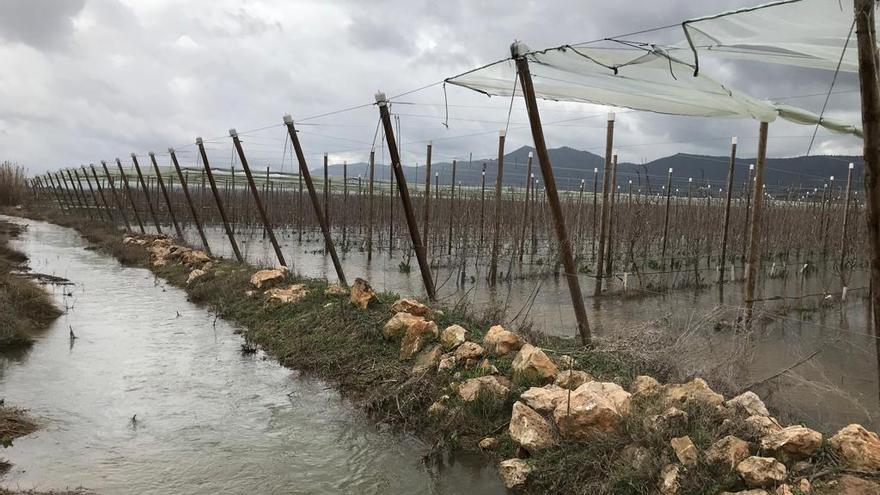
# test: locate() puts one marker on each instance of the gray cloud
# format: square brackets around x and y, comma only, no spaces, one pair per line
[43,24]
[95,79]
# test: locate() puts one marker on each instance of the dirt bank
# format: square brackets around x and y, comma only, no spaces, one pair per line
[561,418]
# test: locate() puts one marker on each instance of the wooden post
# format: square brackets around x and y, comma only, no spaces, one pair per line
[843,242]
[574,287]
[72,200]
[419,247]
[427,222]
[299,206]
[595,209]
[80,197]
[59,195]
[451,210]
[313,195]
[370,201]
[603,221]
[482,204]
[115,196]
[730,170]
[218,200]
[748,209]
[256,193]
[131,200]
[344,204]
[753,256]
[92,193]
[609,261]
[666,220]
[192,207]
[496,231]
[869,83]
[522,238]
[146,190]
[165,195]
[100,192]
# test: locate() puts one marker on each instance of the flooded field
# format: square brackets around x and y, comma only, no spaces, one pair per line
[154,396]
[834,382]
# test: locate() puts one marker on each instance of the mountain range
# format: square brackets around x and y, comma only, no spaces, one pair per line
[571,166]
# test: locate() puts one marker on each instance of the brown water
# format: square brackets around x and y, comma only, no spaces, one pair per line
[836,386]
[208,419]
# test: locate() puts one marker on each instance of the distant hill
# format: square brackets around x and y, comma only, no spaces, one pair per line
[570,166]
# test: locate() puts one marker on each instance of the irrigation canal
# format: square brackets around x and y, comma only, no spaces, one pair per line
[154,396]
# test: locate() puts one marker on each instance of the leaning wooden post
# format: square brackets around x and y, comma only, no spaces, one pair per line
[344,203]
[72,200]
[128,193]
[869,83]
[595,209]
[666,220]
[58,194]
[727,210]
[313,196]
[411,224]
[753,256]
[427,221]
[370,201]
[115,195]
[451,210]
[522,238]
[192,208]
[165,195]
[496,239]
[80,194]
[748,210]
[482,204]
[603,221]
[845,219]
[574,287]
[218,200]
[100,192]
[137,169]
[91,192]
[256,193]
[609,257]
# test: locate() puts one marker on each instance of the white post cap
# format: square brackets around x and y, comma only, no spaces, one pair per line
[530,154]
[380,98]
[501,133]
[233,133]
[751,166]
[287,118]
[199,141]
[610,116]
[851,165]
[670,170]
[733,140]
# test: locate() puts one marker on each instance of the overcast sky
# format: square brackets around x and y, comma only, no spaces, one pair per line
[86,80]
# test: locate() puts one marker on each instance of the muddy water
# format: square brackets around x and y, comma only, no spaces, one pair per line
[836,382]
[154,396]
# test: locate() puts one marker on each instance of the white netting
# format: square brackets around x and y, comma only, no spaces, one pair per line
[650,78]
[641,79]
[804,33]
